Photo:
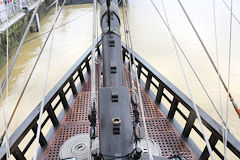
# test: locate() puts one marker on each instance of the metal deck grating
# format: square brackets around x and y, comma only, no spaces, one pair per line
[64,132]
[168,139]
[159,128]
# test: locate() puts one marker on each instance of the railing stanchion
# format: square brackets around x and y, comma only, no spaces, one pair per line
[189,125]
[139,70]
[88,66]
[159,94]
[213,141]
[173,108]
[73,87]
[149,80]
[52,116]
[80,74]
[42,139]
[18,154]
[64,100]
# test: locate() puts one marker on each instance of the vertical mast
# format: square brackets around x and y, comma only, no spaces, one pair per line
[115,120]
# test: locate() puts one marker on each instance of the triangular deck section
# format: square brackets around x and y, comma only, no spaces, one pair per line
[76,122]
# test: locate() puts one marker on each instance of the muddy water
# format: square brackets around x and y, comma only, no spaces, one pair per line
[150,39]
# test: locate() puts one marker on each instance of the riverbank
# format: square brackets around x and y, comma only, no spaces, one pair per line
[18,24]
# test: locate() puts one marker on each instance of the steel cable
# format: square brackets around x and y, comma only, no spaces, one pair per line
[93,73]
[237,109]
[46,79]
[31,72]
[195,73]
[21,44]
[187,83]
[5,112]
[29,40]
[229,71]
[217,58]
[138,85]
[229,9]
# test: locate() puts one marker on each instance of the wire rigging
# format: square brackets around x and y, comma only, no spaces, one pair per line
[40,35]
[138,85]
[187,83]
[92,109]
[193,70]
[32,70]
[93,72]
[237,109]
[21,43]
[6,112]
[229,9]
[133,88]
[228,82]
[5,125]
[5,107]
[217,59]
[46,78]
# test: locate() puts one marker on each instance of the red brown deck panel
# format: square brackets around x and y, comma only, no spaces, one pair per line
[159,128]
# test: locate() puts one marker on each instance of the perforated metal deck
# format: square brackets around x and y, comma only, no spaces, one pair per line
[159,128]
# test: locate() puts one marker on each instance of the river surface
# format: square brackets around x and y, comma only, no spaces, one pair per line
[150,39]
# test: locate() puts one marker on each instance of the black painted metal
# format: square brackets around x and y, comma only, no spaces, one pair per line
[110,143]
[213,141]
[189,125]
[52,116]
[173,108]
[178,97]
[115,140]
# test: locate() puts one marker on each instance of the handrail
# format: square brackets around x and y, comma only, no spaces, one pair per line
[179,97]
[82,69]
[143,69]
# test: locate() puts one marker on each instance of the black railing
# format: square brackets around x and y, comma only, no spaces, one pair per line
[59,99]
[158,87]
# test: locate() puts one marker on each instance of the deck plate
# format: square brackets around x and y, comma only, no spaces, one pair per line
[159,127]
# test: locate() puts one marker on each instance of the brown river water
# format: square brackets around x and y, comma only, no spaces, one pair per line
[150,39]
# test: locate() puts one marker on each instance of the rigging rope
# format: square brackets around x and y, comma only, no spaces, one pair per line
[133,89]
[46,80]
[21,43]
[93,76]
[31,72]
[92,113]
[134,99]
[229,9]
[5,112]
[5,125]
[193,70]
[187,83]
[229,71]
[217,57]
[97,30]
[138,85]
[40,35]
[237,109]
